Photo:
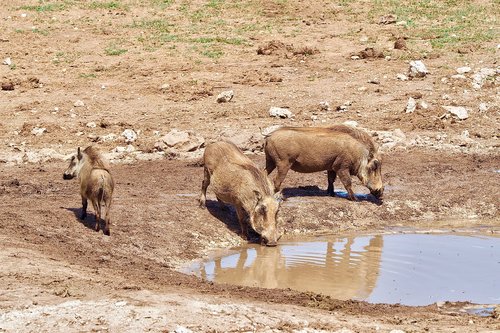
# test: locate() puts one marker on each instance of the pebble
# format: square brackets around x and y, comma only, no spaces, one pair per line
[463,70]
[325,106]
[483,107]
[402,77]
[459,111]
[91,124]
[79,103]
[225,96]
[411,106]
[129,135]
[280,112]
[38,131]
[418,69]
[7,61]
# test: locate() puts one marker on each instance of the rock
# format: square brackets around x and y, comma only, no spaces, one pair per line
[402,77]
[164,86]
[129,135]
[7,61]
[397,331]
[423,105]
[401,23]
[417,69]
[387,19]
[181,329]
[7,86]
[463,70]
[37,131]
[120,303]
[480,77]
[483,107]
[352,123]
[459,77]
[79,103]
[411,106]
[268,130]
[314,117]
[91,124]
[180,141]
[280,112]
[459,111]
[324,106]
[106,138]
[225,96]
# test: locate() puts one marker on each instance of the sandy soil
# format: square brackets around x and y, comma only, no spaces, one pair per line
[59,275]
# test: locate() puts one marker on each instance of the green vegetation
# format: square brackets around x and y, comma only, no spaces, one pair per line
[448,24]
[114,50]
[106,5]
[45,7]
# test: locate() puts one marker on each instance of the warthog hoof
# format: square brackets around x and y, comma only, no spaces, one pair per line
[106,232]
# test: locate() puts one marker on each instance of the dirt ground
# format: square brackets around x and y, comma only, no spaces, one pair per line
[153,66]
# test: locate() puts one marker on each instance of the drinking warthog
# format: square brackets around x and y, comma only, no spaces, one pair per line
[96,183]
[341,150]
[236,180]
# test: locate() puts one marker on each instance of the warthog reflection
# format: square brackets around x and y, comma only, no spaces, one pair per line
[344,268]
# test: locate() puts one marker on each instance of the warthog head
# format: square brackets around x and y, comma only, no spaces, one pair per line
[75,165]
[374,177]
[265,218]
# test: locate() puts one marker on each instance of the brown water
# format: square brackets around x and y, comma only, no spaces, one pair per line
[412,269]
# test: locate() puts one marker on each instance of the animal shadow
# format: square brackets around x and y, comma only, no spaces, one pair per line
[89,221]
[227,215]
[315,191]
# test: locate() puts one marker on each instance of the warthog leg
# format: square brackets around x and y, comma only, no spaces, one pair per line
[107,221]
[84,208]
[283,168]
[345,178]
[97,209]
[204,186]
[243,223]
[331,179]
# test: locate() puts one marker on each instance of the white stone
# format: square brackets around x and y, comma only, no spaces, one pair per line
[418,69]
[463,70]
[397,331]
[7,61]
[130,135]
[91,124]
[24,15]
[280,112]
[325,106]
[459,77]
[120,303]
[459,111]
[225,96]
[79,103]
[352,123]
[314,117]
[411,106]
[483,107]
[181,329]
[423,105]
[108,137]
[165,86]
[480,77]
[402,77]
[181,141]
[38,131]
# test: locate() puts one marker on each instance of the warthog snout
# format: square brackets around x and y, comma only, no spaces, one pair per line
[68,176]
[268,242]
[378,193]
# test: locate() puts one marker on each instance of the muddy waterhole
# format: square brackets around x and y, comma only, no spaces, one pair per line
[405,268]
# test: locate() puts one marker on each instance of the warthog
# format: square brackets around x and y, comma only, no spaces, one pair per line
[341,150]
[236,180]
[96,183]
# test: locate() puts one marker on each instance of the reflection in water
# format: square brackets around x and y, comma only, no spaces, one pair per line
[413,269]
[344,268]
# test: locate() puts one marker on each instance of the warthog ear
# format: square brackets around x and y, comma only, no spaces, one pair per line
[375,164]
[79,154]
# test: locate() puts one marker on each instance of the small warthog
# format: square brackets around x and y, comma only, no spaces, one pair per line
[236,180]
[341,150]
[96,183]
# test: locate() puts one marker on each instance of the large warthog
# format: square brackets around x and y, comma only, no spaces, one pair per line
[236,180]
[96,183]
[341,150]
